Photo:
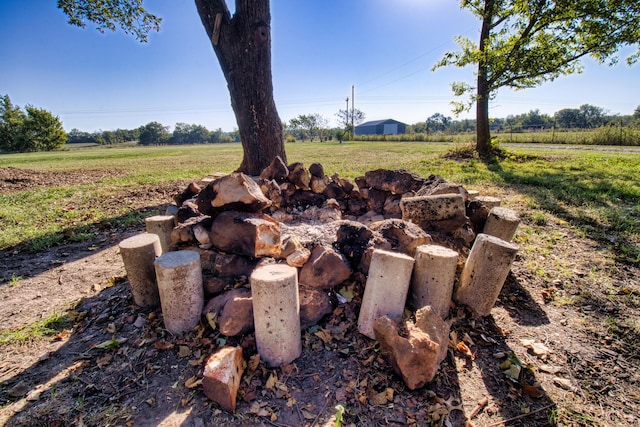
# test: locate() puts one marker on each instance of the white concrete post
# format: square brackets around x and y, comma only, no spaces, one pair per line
[162,226]
[138,254]
[276,313]
[484,273]
[385,292]
[181,292]
[433,276]
[501,223]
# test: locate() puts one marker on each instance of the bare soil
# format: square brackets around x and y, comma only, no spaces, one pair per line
[570,314]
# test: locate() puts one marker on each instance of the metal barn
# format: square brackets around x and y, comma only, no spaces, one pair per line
[381,127]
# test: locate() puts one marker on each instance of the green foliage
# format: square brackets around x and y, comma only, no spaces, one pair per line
[128,15]
[532,42]
[153,133]
[309,126]
[42,328]
[524,43]
[37,130]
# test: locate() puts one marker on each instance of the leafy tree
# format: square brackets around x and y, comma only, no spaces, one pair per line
[242,44]
[76,136]
[11,121]
[184,133]
[350,118]
[524,43]
[309,126]
[153,133]
[37,130]
[41,131]
[437,123]
[568,118]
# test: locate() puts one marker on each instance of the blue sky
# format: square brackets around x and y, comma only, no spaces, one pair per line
[320,49]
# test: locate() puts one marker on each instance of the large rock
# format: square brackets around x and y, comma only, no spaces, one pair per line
[325,269]
[231,311]
[184,232]
[404,236]
[254,235]
[416,357]
[276,170]
[232,265]
[395,181]
[299,176]
[191,191]
[314,305]
[235,191]
[222,375]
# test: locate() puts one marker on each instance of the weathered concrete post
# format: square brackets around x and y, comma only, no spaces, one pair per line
[162,226]
[138,254]
[181,292]
[501,223]
[433,276]
[484,273]
[385,292]
[276,313]
[489,201]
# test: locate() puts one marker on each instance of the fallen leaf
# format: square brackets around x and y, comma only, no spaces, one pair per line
[538,349]
[64,334]
[549,369]
[104,360]
[324,335]
[513,372]
[193,382]
[532,391]
[254,361]
[211,319]
[271,382]
[563,383]
[347,293]
[258,409]
[111,344]
[381,398]
[163,345]
[462,348]
[184,351]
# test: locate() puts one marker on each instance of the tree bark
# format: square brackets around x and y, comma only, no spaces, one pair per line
[483,134]
[242,44]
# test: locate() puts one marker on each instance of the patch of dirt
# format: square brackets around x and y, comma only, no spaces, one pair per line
[15,179]
[114,364]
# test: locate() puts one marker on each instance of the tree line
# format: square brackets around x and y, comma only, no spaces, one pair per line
[31,129]
[155,133]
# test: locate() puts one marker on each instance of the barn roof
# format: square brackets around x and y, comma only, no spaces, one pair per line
[379,122]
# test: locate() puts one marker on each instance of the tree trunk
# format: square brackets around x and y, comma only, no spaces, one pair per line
[242,44]
[483,134]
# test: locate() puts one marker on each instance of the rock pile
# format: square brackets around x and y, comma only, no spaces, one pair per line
[331,232]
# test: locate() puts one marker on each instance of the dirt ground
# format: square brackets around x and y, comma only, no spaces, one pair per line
[570,315]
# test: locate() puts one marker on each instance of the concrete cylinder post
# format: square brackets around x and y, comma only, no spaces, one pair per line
[501,223]
[433,276]
[161,225]
[138,254]
[181,292]
[484,273]
[276,313]
[385,292]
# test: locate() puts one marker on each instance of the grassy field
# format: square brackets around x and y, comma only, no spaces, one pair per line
[586,187]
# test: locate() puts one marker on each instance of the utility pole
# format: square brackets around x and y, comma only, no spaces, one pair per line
[353,103]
